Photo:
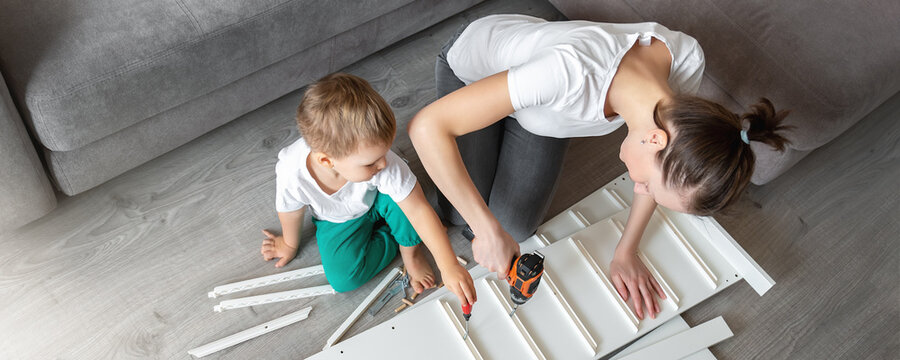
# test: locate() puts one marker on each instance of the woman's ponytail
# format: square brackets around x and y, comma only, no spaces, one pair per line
[765,124]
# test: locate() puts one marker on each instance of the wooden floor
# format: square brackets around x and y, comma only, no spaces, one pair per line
[122,271]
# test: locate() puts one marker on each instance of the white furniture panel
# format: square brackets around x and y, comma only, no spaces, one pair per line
[581,310]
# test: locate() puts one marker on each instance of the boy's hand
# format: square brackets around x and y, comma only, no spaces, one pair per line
[275,247]
[460,282]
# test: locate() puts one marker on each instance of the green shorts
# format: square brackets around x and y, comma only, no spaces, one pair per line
[354,251]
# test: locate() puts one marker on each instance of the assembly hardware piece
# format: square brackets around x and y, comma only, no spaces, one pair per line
[397,287]
[266,280]
[393,274]
[250,333]
[274,297]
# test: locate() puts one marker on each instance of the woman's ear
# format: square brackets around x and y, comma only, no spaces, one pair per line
[658,139]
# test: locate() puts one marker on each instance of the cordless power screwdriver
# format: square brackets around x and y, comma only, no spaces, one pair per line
[524,276]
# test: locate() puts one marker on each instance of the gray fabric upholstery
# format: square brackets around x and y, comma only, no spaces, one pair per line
[830,63]
[25,192]
[83,168]
[104,86]
[92,59]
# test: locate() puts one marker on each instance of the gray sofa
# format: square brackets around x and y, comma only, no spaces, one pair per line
[831,63]
[94,88]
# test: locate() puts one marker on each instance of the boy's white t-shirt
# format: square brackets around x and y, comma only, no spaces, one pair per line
[297,188]
[560,72]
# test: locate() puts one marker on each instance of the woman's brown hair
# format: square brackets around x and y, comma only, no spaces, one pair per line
[706,155]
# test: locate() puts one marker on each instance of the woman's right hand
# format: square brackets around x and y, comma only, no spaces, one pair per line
[495,249]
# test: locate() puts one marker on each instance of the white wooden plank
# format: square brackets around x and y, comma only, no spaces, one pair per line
[455,323]
[414,332]
[685,343]
[266,280]
[520,328]
[615,197]
[666,330]
[544,316]
[250,333]
[579,218]
[670,294]
[736,255]
[686,245]
[589,340]
[274,297]
[623,308]
[393,274]
[595,207]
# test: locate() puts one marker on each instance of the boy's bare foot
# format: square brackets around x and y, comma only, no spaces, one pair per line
[421,276]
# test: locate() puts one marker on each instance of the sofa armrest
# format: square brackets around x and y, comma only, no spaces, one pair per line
[25,190]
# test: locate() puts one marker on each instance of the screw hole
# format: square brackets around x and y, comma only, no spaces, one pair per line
[392,328]
[342,351]
[266,327]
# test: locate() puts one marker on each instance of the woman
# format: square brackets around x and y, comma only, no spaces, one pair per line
[513,88]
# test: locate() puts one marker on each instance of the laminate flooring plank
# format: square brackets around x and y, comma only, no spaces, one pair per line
[122,271]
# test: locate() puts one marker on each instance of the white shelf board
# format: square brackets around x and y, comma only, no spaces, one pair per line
[545,319]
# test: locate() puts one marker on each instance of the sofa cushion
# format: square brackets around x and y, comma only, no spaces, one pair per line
[830,63]
[83,168]
[25,192]
[82,70]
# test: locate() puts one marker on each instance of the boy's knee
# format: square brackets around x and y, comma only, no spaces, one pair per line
[342,280]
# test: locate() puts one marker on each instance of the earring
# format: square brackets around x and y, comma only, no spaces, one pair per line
[643,142]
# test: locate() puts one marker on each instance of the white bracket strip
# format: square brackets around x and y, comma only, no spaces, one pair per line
[614,196]
[250,333]
[274,297]
[589,339]
[266,280]
[391,276]
[686,342]
[523,332]
[454,321]
[672,230]
[542,239]
[610,289]
[579,218]
[670,294]
[736,255]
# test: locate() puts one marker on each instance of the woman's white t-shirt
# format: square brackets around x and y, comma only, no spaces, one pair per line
[560,72]
[295,186]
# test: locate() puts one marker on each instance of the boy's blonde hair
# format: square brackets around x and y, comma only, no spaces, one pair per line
[342,111]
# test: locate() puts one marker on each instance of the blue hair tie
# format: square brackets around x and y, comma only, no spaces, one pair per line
[744,137]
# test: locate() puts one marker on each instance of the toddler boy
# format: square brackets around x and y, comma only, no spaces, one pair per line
[364,200]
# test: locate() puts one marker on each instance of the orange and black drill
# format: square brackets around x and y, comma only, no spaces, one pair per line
[524,276]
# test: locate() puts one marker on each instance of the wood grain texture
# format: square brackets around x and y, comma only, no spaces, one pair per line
[122,271]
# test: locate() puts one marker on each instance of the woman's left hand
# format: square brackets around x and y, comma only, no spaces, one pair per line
[634,281]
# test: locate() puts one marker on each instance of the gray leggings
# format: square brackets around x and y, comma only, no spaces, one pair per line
[515,171]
